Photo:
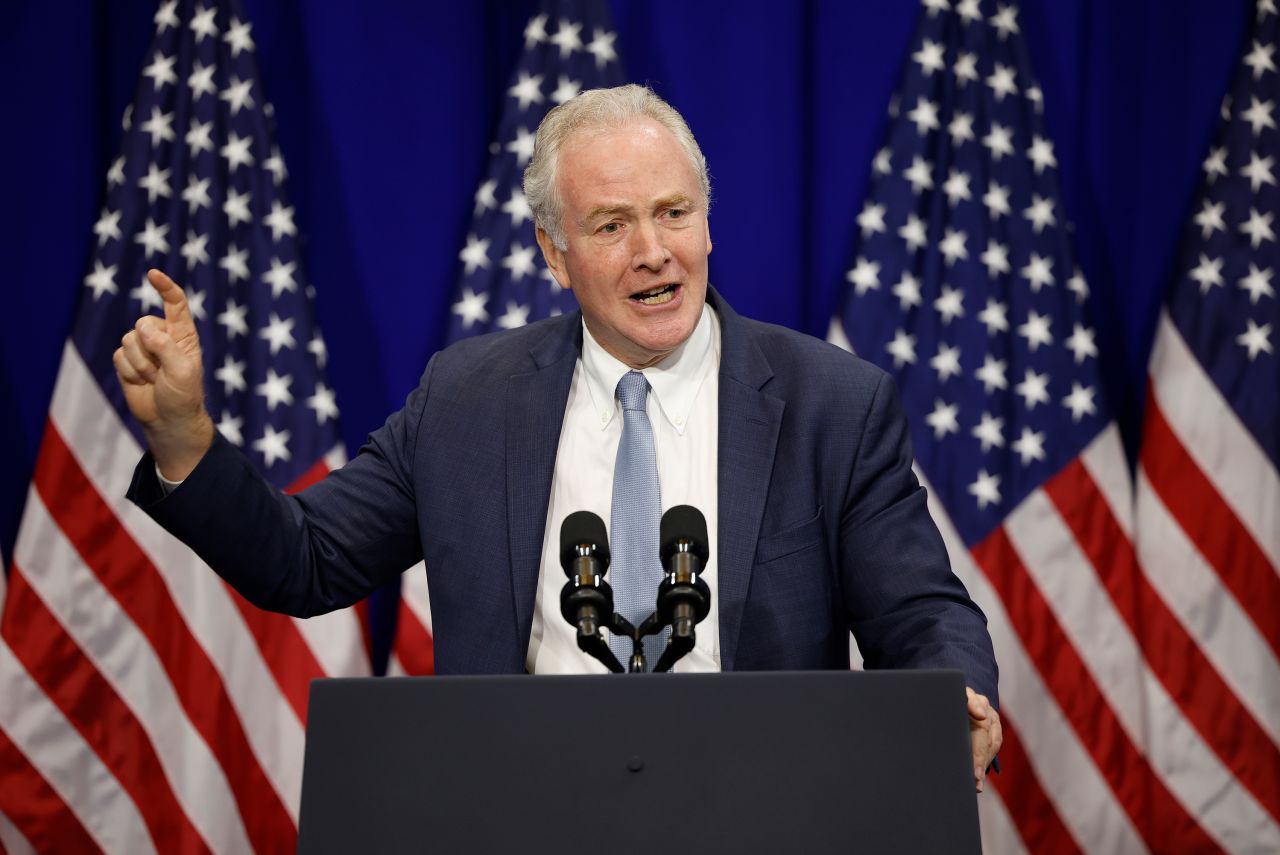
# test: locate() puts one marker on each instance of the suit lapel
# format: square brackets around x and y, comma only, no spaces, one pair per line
[750,421]
[535,411]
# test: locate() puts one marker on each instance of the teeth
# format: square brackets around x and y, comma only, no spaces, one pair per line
[659,298]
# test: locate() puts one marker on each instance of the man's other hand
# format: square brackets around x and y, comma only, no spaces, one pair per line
[984,735]
[158,363]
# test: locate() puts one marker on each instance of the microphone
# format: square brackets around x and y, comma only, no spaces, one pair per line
[586,600]
[684,599]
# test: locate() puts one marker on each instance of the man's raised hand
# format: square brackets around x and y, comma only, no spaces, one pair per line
[158,363]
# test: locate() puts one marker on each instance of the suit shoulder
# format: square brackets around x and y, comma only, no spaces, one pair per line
[820,367]
[504,352]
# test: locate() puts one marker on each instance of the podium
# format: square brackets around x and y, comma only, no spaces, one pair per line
[803,762]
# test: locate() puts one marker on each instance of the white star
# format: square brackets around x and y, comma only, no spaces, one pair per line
[201,80]
[471,307]
[102,280]
[280,278]
[160,71]
[907,291]
[1076,285]
[1210,218]
[990,432]
[935,6]
[522,145]
[871,220]
[996,258]
[914,232]
[929,57]
[961,128]
[968,10]
[279,333]
[197,194]
[986,489]
[234,318]
[567,38]
[107,227]
[1036,97]
[956,187]
[966,68]
[1256,339]
[199,137]
[1081,343]
[924,116]
[528,90]
[950,305]
[535,31]
[230,426]
[902,348]
[1036,330]
[1041,154]
[1208,273]
[601,47]
[515,317]
[952,246]
[518,208]
[566,90]
[919,174]
[195,304]
[236,207]
[1034,389]
[1258,228]
[324,403]
[992,374]
[520,261]
[236,263]
[202,23]
[280,221]
[236,151]
[865,276]
[194,249]
[475,254]
[995,317]
[1080,402]
[153,238]
[1265,8]
[1005,21]
[115,175]
[237,94]
[273,446]
[231,374]
[160,126]
[883,163]
[1040,213]
[1038,272]
[1260,59]
[943,419]
[238,37]
[946,362]
[1259,115]
[1029,446]
[275,165]
[484,196]
[147,296]
[997,200]
[126,121]
[317,349]
[1216,163]
[1258,172]
[1002,82]
[165,17]
[999,140]
[155,182]
[1257,283]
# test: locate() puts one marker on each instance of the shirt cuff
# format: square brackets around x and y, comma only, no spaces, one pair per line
[166,486]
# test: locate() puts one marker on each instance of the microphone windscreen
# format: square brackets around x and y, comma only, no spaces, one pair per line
[582,527]
[683,522]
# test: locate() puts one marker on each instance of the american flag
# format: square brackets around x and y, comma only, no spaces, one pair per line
[964,285]
[1208,494]
[568,48]
[143,705]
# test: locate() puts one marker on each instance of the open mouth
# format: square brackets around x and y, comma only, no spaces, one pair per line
[657,296]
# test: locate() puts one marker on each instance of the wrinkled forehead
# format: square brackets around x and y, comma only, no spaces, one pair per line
[594,157]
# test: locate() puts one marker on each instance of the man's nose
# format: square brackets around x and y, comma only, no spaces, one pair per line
[649,247]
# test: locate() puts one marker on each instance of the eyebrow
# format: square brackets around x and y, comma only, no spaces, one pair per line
[676,200]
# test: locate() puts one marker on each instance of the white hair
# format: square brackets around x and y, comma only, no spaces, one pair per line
[593,110]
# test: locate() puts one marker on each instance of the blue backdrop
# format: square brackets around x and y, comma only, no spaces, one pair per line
[385,110]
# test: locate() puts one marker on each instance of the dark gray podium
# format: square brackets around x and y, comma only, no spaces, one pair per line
[647,763]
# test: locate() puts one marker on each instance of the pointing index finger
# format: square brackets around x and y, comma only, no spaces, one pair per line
[177,313]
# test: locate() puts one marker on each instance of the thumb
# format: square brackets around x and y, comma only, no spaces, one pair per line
[162,346]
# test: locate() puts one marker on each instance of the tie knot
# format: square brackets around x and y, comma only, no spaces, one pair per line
[632,390]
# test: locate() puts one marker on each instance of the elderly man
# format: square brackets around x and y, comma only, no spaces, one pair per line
[656,395]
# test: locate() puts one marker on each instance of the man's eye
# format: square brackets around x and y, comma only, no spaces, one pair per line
[610,228]
[676,213]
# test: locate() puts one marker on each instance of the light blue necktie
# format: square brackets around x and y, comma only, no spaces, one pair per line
[633,536]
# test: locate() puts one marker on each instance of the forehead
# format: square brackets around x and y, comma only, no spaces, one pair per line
[641,158]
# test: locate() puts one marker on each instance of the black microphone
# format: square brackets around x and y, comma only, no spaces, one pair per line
[586,600]
[683,597]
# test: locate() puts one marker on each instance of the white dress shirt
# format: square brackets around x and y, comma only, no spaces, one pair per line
[684,410]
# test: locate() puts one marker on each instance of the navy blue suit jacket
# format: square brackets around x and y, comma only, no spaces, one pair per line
[823,527]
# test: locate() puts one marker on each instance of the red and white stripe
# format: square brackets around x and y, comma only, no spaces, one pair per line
[413,654]
[144,706]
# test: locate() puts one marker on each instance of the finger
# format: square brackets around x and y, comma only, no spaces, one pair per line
[161,347]
[125,371]
[138,356]
[177,313]
[979,706]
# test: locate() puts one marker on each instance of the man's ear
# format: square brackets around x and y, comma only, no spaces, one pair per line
[554,258]
[707,223]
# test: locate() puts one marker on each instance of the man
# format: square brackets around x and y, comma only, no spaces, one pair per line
[797,452]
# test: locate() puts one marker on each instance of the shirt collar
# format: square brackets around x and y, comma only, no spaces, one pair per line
[674,381]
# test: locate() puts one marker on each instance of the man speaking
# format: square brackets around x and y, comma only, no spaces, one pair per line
[657,394]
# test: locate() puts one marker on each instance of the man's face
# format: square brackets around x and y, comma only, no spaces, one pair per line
[636,225]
